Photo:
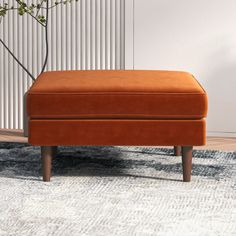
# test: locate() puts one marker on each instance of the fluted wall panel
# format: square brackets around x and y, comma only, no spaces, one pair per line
[84,35]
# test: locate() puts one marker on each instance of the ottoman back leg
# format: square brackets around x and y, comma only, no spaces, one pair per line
[177,150]
[47,153]
[187,153]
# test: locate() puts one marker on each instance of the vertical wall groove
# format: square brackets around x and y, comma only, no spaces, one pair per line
[88,34]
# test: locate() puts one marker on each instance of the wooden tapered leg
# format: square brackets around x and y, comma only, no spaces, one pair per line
[187,154]
[47,153]
[177,150]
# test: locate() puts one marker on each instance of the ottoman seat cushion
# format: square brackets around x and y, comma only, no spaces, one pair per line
[116,94]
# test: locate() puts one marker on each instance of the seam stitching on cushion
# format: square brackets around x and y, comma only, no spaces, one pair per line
[119,93]
[96,115]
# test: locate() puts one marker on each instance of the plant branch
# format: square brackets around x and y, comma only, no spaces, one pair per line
[11,53]
[59,3]
[25,8]
[11,9]
[36,19]
[28,12]
[40,6]
[46,37]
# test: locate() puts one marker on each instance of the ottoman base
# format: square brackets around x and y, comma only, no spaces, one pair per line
[183,134]
[116,132]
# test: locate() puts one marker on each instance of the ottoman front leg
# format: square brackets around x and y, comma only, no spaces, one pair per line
[187,153]
[47,152]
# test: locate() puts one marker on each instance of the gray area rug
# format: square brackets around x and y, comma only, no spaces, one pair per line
[116,191]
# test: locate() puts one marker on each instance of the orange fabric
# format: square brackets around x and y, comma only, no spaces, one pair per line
[117,132]
[117,94]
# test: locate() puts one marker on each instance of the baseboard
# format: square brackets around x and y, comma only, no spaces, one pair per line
[221,134]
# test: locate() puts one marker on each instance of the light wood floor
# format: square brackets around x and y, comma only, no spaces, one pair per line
[213,143]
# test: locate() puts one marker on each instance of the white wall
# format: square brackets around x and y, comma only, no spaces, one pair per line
[198,36]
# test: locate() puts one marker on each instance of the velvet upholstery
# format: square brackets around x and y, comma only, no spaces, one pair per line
[117,94]
[117,132]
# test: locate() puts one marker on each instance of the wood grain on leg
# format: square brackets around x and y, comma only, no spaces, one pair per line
[47,153]
[187,153]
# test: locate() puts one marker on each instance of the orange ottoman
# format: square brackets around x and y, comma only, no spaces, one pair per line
[147,108]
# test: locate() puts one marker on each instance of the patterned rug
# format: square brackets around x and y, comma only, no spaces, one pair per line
[116,191]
